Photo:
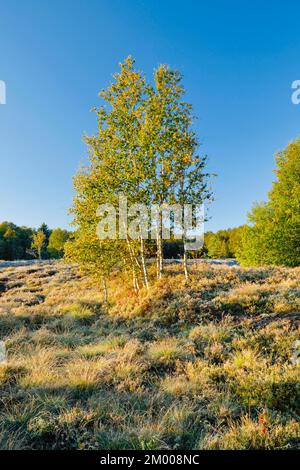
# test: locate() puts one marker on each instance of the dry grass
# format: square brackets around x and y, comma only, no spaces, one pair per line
[204,365]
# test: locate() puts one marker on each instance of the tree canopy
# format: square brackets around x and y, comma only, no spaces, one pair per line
[273,236]
[57,241]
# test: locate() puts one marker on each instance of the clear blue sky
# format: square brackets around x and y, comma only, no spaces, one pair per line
[238,58]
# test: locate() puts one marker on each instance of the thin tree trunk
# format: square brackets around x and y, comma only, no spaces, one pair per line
[159,259]
[133,261]
[133,255]
[105,292]
[135,282]
[185,263]
[185,256]
[144,267]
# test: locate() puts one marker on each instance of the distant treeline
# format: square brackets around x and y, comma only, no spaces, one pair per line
[23,243]
[28,243]
[221,244]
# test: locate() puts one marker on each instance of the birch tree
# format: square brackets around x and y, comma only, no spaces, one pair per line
[117,163]
[38,243]
[178,172]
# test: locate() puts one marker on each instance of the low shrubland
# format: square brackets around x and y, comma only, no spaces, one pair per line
[200,365]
